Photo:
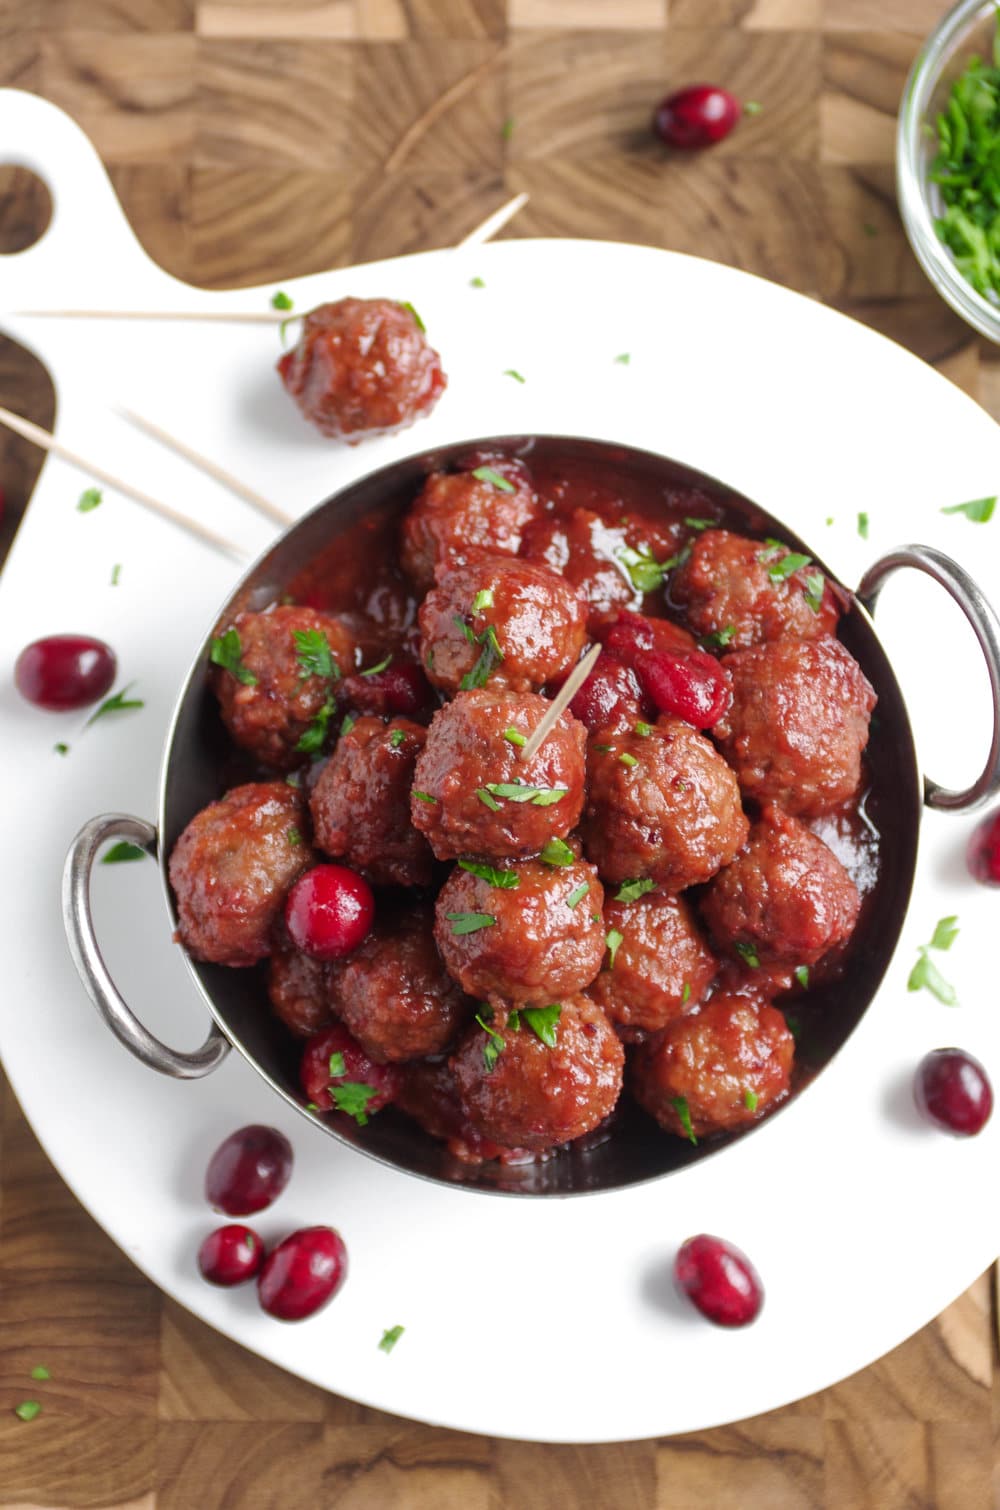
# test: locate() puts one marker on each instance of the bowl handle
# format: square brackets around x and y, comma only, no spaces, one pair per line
[87,957]
[986,627]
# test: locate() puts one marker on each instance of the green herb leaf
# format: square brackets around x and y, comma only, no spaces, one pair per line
[347,723]
[752,107]
[116,572]
[514,1020]
[627,759]
[227,652]
[122,851]
[494,1045]
[578,893]
[293,836]
[405,304]
[477,283]
[487,474]
[61,749]
[863,525]
[483,599]
[686,993]
[280,300]
[312,651]
[623,358]
[538,796]
[490,657]
[396,738]
[631,891]
[979,510]
[557,852]
[314,736]
[390,1337]
[680,1106]
[90,498]
[28,1410]
[338,1067]
[644,572]
[485,797]
[925,974]
[750,1100]
[793,562]
[465,628]
[117,703]
[813,588]
[353,1098]
[802,976]
[613,941]
[423,796]
[505,879]
[40,1372]
[513,737]
[382,665]
[601,749]
[470,922]
[507,129]
[643,730]
[511,373]
[311,1106]
[701,524]
[748,955]
[718,639]
[945,933]
[543,1022]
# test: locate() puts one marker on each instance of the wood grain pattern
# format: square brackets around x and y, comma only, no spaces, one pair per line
[248,141]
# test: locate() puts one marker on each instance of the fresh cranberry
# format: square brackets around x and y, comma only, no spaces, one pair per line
[65,671]
[302,1273]
[401,688]
[630,633]
[230,1255]
[248,1171]
[318,1078]
[610,698]
[953,1091]
[691,686]
[983,854]
[719,1279]
[329,911]
[696,117]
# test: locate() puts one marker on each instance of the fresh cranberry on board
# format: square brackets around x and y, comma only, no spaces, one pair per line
[719,1280]
[697,116]
[302,1273]
[230,1255]
[63,672]
[953,1091]
[692,685]
[248,1171]
[329,911]
[983,854]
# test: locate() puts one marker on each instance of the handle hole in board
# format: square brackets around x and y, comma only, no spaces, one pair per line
[25,209]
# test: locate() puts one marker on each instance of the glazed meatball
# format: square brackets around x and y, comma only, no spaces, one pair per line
[430,1096]
[731,585]
[273,691]
[519,1091]
[466,794]
[660,969]
[544,938]
[502,620]
[786,896]
[333,1059]
[727,1064]
[298,987]
[590,553]
[798,723]
[232,867]
[458,510]
[361,803]
[664,806]
[362,367]
[395,995]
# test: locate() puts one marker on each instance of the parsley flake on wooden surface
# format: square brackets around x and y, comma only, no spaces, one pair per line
[405,304]
[613,941]
[27,1410]
[979,510]
[280,300]
[227,652]
[748,955]
[578,893]
[390,1337]
[117,703]
[505,879]
[863,525]
[512,372]
[752,107]
[313,653]
[116,572]
[487,474]
[557,852]
[631,891]
[494,1045]
[314,737]
[89,499]
[680,1106]
[750,1100]
[352,1097]
[507,129]
[40,1372]
[470,922]
[338,1066]
[802,976]
[543,1022]
[122,851]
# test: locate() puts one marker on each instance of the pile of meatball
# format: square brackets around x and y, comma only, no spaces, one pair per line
[620,911]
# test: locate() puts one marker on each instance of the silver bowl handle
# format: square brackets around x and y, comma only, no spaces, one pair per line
[986,627]
[87,957]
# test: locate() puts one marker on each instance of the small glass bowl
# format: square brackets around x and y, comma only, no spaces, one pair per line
[968,28]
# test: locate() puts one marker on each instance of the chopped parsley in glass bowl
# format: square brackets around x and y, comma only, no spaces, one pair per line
[948,161]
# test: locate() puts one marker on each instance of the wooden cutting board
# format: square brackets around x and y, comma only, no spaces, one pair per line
[249,142]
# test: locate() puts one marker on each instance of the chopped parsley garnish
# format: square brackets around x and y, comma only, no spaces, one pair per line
[557,852]
[578,893]
[680,1106]
[337,1065]
[477,282]
[802,976]
[117,703]
[353,1097]
[494,1045]
[485,798]
[701,524]
[27,1410]
[718,639]
[752,107]
[644,572]
[643,730]
[538,796]
[979,510]
[227,652]
[465,628]
[613,941]
[314,737]
[543,1022]
[280,300]
[627,759]
[926,974]
[423,796]
[347,723]
[945,933]
[390,1337]
[623,358]
[863,525]
[396,738]
[116,572]
[293,779]
[311,1106]
[382,666]
[966,172]
[505,879]
[514,1020]
[631,891]
[786,566]
[514,737]
[122,851]
[507,129]
[513,373]
[470,922]
[601,749]
[405,304]
[312,651]
[483,599]
[90,498]
[750,1100]
[487,474]
[686,993]
[40,1372]
[61,749]
[490,656]
[748,955]
[293,836]
[813,589]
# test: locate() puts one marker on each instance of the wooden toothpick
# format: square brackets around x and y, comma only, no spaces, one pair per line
[211,468]
[562,699]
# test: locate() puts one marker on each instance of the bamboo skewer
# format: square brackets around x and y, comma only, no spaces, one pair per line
[47,442]
[211,468]
[494,222]
[562,699]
